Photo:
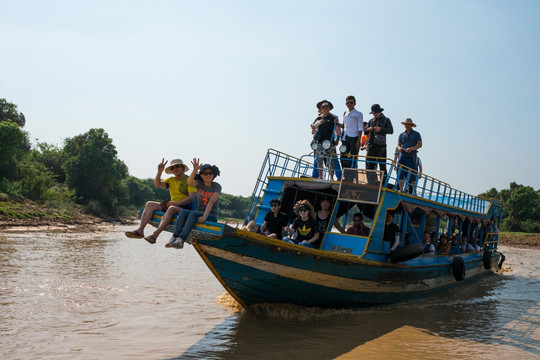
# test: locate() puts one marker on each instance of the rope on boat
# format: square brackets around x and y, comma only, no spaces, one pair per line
[233,220]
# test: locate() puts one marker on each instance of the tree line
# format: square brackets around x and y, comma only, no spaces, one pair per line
[86,170]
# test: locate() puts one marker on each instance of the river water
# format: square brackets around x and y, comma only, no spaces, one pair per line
[98,295]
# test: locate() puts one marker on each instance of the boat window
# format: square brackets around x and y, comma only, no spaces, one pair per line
[346,211]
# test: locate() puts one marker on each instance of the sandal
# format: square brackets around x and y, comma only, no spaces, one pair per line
[151,239]
[178,244]
[134,234]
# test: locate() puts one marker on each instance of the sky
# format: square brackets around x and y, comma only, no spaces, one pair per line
[223,81]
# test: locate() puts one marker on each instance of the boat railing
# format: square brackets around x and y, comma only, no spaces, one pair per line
[414,182]
[279,164]
[430,188]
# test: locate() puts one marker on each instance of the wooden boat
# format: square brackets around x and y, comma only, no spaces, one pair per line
[350,271]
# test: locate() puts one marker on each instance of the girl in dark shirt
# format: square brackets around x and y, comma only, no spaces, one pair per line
[304,226]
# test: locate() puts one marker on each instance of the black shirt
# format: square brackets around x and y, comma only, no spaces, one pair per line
[275,224]
[390,231]
[326,129]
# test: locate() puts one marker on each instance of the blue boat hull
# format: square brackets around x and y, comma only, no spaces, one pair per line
[256,269]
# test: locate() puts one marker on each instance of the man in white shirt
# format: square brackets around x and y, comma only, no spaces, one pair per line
[353,125]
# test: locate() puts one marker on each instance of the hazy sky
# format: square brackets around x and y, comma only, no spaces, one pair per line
[226,80]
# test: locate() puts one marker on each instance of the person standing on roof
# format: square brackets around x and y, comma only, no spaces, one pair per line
[353,125]
[327,123]
[409,142]
[378,127]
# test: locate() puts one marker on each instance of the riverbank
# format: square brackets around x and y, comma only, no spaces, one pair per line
[21,215]
[522,240]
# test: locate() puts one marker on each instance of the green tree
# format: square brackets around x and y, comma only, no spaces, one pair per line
[490,194]
[9,112]
[11,140]
[52,157]
[233,206]
[34,179]
[94,171]
[140,191]
[521,208]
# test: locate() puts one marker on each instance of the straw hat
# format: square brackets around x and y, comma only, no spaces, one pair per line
[408,121]
[168,169]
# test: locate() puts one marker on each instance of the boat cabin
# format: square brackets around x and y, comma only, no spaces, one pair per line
[427,205]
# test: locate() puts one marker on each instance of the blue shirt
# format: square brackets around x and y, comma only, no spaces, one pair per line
[409,140]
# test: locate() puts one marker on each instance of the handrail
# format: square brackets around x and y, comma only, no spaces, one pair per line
[277,163]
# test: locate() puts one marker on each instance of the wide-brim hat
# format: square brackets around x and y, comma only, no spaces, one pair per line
[408,121]
[168,169]
[214,168]
[322,103]
[376,108]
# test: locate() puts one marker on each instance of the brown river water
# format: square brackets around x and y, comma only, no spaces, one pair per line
[100,295]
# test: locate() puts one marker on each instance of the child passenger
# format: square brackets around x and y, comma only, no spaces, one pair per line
[207,207]
[304,225]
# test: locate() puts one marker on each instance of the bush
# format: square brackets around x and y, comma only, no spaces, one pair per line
[35,179]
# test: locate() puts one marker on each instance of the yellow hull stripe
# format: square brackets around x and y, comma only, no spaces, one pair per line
[333,281]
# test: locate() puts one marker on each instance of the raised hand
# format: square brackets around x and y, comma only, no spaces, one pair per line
[196,164]
[161,166]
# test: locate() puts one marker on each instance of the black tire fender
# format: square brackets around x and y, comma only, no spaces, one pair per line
[458,268]
[405,253]
[502,260]
[486,258]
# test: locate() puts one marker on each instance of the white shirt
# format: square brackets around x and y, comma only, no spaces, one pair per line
[354,122]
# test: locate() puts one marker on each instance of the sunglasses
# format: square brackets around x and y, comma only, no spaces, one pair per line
[302,209]
[274,205]
[176,166]
[349,102]
[207,173]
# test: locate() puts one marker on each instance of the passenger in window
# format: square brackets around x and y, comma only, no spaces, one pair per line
[358,228]
[429,248]
[407,240]
[304,226]
[454,246]
[274,221]
[322,217]
[391,231]
[432,237]
[443,247]
[465,245]
[472,247]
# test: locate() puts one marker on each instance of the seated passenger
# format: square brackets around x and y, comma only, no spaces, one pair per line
[274,221]
[454,247]
[207,207]
[358,228]
[304,226]
[443,247]
[465,246]
[251,227]
[472,247]
[391,231]
[429,248]
[322,217]
[182,197]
